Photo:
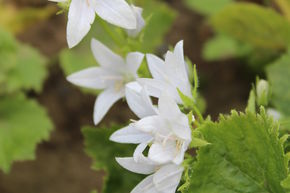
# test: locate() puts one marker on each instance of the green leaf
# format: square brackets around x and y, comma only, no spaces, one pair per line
[103,153]
[278,74]
[224,47]
[23,124]
[21,66]
[245,155]
[253,24]
[207,7]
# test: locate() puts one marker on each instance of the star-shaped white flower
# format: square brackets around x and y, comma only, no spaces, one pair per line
[162,178]
[113,74]
[82,14]
[168,131]
[168,75]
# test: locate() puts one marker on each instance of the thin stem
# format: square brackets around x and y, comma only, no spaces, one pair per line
[109,32]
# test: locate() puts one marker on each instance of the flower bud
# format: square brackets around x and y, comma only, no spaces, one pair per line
[263,92]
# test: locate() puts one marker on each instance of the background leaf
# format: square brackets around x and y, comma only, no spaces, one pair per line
[23,124]
[278,74]
[22,66]
[207,7]
[103,153]
[253,24]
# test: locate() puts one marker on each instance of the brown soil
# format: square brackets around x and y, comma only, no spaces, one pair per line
[61,165]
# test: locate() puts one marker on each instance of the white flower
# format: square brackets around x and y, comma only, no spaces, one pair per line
[113,74]
[168,75]
[82,14]
[274,113]
[141,104]
[163,178]
[140,21]
[168,131]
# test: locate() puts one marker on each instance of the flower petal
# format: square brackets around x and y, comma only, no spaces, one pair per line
[168,108]
[117,12]
[139,101]
[89,78]
[140,21]
[167,178]
[146,186]
[104,102]
[161,153]
[156,87]
[106,58]
[80,17]
[136,167]
[134,60]
[130,134]
[157,67]
[148,124]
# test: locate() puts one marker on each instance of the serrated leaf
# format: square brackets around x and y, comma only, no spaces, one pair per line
[245,155]
[103,153]
[253,24]
[207,7]
[278,74]
[23,124]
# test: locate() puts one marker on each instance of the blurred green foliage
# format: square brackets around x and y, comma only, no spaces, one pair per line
[207,7]
[278,74]
[103,152]
[23,122]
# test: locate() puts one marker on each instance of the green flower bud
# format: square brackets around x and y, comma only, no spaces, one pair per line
[263,92]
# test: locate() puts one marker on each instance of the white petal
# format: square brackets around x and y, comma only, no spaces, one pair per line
[117,12]
[90,78]
[140,21]
[178,51]
[130,135]
[139,102]
[136,167]
[180,127]
[167,178]
[148,124]
[138,153]
[105,57]
[104,102]
[134,60]
[157,67]
[162,153]
[180,154]
[146,186]
[80,17]
[167,107]
[156,87]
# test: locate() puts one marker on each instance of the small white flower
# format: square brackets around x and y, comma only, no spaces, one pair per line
[163,178]
[274,113]
[168,131]
[82,14]
[113,74]
[140,22]
[168,75]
